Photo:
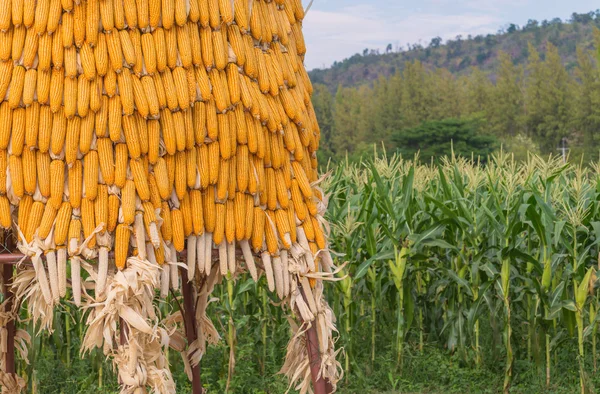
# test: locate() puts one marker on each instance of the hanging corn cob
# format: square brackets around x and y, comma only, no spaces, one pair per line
[148,127]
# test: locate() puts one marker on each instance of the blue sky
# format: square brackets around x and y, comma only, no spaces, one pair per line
[337,29]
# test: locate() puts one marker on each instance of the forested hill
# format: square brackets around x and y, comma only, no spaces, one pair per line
[462,53]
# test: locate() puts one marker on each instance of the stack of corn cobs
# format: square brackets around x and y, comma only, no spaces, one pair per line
[151,127]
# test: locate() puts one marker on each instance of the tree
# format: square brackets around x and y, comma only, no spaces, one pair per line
[388,49]
[435,139]
[323,103]
[346,119]
[506,114]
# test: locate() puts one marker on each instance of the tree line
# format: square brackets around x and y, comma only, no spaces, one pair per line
[538,106]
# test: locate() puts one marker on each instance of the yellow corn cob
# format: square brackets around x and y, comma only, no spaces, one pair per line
[220,90]
[83,96]
[141,179]
[202,165]
[32,125]
[75,174]
[110,82]
[29,86]
[162,178]
[225,140]
[18,131]
[29,171]
[212,123]
[5,124]
[56,90]
[168,131]
[180,174]
[130,11]
[43,86]
[199,122]
[74,232]
[223,182]
[170,90]
[107,160]
[122,235]
[113,212]
[191,85]
[96,99]
[230,219]
[125,81]
[115,52]
[47,221]
[219,231]
[258,230]
[214,163]
[271,233]
[15,166]
[170,161]
[128,202]
[171,47]
[184,46]
[70,62]
[281,189]
[255,22]
[18,41]
[72,139]
[5,216]
[168,13]
[16,86]
[240,216]
[143,17]
[57,179]
[197,211]
[121,161]
[206,38]
[136,41]
[86,134]
[24,212]
[79,23]
[17,12]
[161,95]
[203,83]
[92,18]
[34,220]
[131,136]
[179,125]
[154,12]
[149,52]
[297,200]
[154,194]
[271,188]
[153,140]
[63,219]
[30,48]
[181,87]
[209,209]
[178,230]
[233,82]
[107,15]
[90,174]
[114,118]
[139,97]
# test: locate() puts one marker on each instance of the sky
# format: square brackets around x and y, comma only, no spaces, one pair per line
[337,29]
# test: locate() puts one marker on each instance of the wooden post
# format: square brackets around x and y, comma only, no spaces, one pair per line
[320,385]
[189,317]
[7,273]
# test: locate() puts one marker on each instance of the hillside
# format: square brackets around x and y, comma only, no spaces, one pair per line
[462,53]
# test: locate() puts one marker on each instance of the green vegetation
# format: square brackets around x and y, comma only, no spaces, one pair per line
[528,106]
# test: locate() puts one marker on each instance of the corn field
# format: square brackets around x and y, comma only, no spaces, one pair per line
[449,249]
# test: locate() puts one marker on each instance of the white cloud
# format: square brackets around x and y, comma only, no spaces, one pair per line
[332,36]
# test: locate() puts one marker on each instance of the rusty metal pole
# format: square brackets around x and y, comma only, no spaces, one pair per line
[189,316]
[7,274]
[320,385]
